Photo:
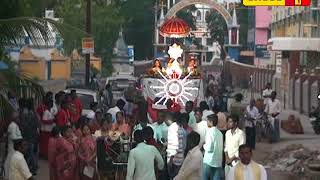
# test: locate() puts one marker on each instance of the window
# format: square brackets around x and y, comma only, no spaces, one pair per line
[207,15]
[198,15]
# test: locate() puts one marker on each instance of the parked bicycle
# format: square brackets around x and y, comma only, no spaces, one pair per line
[264,129]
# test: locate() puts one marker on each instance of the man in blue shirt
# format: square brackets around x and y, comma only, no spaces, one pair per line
[213,147]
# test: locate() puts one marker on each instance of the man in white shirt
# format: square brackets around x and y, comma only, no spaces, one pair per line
[213,150]
[234,138]
[201,127]
[273,109]
[92,113]
[142,159]
[266,93]
[205,110]
[14,133]
[119,107]
[160,128]
[177,137]
[251,115]
[246,169]
[19,169]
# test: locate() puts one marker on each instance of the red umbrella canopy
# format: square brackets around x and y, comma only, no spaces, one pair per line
[175,28]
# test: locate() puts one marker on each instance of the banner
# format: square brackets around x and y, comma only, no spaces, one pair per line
[131,53]
[262,51]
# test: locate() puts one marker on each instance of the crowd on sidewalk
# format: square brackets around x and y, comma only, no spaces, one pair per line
[195,142]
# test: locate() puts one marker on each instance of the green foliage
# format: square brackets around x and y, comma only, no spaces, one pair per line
[22,85]
[243,20]
[18,8]
[218,29]
[14,30]
[139,26]
[106,22]
[186,15]
[217,26]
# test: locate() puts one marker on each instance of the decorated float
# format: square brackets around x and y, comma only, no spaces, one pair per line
[170,85]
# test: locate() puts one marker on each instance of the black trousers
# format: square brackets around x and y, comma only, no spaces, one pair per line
[224,141]
[251,136]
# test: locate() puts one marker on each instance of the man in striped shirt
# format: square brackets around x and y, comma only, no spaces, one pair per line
[177,137]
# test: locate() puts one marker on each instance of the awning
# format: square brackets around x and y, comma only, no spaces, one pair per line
[294,44]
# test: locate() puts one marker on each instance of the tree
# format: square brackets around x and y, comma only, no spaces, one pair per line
[20,8]
[12,31]
[218,29]
[106,22]
[243,20]
[139,26]
[14,26]
[187,16]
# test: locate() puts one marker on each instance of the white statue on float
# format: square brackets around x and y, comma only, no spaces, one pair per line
[173,66]
[216,50]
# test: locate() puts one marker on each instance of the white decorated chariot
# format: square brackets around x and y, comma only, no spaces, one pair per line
[174,82]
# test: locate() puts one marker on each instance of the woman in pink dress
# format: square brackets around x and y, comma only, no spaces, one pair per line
[66,155]
[52,146]
[87,153]
[121,125]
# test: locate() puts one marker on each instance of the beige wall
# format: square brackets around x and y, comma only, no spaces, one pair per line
[60,69]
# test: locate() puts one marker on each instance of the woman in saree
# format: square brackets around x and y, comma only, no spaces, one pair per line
[66,155]
[104,157]
[52,146]
[121,125]
[106,125]
[87,154]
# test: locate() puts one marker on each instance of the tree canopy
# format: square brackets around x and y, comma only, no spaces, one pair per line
[218,29]
[106,22]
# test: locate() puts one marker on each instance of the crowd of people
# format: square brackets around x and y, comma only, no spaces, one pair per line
[197,142]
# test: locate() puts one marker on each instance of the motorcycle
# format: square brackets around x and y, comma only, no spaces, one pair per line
[314,118]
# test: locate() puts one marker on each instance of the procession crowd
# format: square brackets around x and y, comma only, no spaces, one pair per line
[197,142]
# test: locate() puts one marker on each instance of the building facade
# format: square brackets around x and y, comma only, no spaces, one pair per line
[263,17]
[295,50]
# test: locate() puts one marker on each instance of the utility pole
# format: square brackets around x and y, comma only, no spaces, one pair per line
[88,31]
[155,29]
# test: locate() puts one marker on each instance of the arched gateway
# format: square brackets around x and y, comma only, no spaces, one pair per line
[231,20]
[215,5]
[232,45]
